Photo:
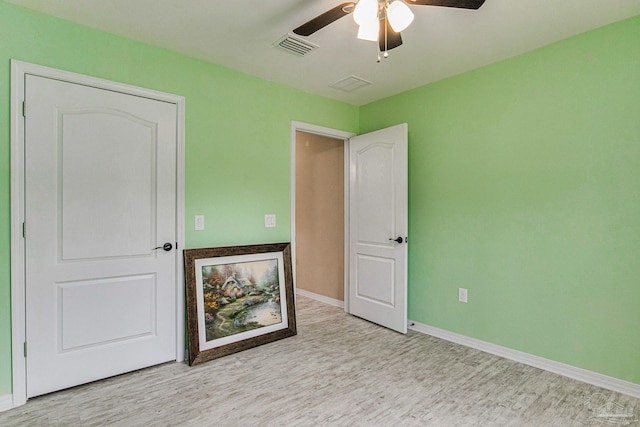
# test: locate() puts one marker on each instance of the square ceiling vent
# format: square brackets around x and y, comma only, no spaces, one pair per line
[295,45]
[349,84]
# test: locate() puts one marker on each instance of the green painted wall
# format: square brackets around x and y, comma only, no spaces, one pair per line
[237,132]
[524,187]
[524,179]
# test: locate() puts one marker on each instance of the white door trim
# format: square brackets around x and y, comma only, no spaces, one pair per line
[18,331]
[331,133]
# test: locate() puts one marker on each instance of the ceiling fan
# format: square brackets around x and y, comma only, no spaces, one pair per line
[379,20]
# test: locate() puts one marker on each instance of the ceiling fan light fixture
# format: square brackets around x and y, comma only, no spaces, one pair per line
[365,10]
[369,30]
[392,17]
[399,15]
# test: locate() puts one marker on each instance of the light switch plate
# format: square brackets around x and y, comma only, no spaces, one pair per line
[199,222]
[269,221]
[462,294]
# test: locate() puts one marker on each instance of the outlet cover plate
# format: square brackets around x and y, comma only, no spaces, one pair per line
[269,221]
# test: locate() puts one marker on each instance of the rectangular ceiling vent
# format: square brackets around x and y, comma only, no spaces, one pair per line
[295,45]
[349,84]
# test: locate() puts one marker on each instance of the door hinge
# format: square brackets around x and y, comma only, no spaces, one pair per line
[24,109]
[25,349]
[24,230]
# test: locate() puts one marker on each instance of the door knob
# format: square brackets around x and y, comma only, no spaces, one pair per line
[167,247]
[398,240]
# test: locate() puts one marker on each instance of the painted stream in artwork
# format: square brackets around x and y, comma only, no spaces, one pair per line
[239,316]
[265,314]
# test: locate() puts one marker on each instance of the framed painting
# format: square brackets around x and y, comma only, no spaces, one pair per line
[238,297]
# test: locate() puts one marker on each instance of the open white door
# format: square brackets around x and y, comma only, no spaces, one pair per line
[100,185]
[378,227]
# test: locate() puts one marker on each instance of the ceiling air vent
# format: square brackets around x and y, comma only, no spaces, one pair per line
[349,84]
[295,45]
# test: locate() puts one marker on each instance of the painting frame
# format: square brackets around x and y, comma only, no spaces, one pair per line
[196,261]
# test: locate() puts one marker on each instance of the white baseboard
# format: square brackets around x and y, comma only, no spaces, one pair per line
[579,374]
[321,298]
[6,402]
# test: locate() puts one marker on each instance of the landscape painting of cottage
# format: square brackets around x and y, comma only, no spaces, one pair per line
[240,297]
[237,297]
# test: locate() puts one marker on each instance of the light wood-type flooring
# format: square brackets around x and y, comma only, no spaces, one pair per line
[338,371]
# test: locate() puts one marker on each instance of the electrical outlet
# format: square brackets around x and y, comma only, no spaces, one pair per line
[462,295]
[269,221]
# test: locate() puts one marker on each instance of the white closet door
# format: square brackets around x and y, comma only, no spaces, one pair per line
[100,180]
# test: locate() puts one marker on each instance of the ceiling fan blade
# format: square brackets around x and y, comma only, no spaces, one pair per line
[390,39]
[325,19]
[462,4]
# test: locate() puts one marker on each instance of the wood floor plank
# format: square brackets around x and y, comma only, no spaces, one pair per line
[338,371]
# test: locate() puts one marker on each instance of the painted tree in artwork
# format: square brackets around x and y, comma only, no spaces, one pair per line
[228,271]
[271,276]
[214,277]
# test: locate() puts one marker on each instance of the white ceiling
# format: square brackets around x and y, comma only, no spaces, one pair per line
[440,43]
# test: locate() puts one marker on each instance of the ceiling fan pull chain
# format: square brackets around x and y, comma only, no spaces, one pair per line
[386,45]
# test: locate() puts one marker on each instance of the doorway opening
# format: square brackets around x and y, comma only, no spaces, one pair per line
[319,223]
[320,216]
[375,216]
